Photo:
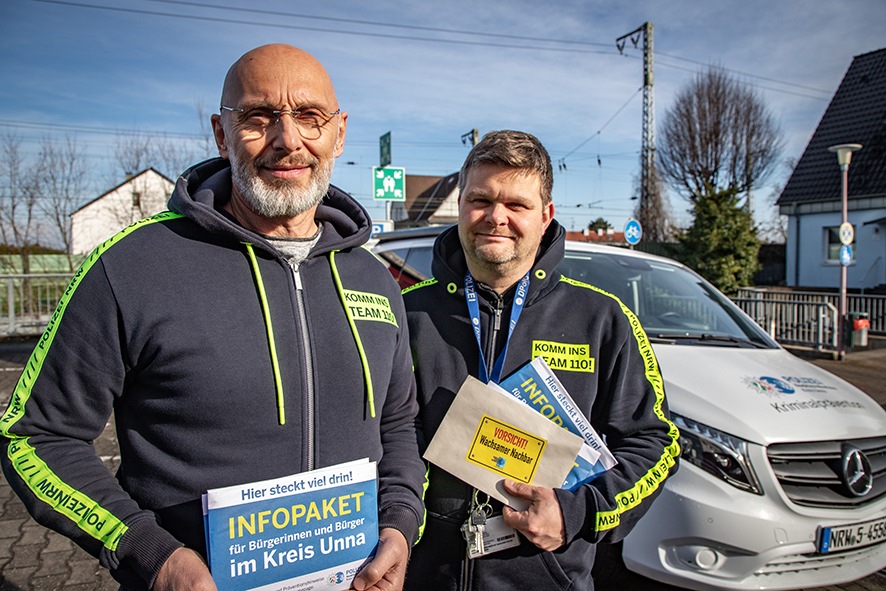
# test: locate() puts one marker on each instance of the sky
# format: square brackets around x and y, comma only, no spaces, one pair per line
[429,73]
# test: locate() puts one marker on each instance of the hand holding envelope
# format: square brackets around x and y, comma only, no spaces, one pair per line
[486,437]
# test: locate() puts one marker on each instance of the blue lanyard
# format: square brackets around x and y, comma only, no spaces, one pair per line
[474,311]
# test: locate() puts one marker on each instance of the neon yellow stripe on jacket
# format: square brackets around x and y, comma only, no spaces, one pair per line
[655,476]
[424,283]
[45,485]
[73,504]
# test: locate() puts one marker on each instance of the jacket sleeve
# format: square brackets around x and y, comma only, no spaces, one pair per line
[402,473]
[631,412]
[61,404]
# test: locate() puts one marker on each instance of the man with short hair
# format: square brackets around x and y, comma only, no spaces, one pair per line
[495,302]
[227,338]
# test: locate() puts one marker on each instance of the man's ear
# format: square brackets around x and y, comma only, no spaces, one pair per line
[339,147]
[218,131]
[547,215]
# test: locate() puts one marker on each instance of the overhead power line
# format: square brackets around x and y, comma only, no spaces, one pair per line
[53,127]
[757,76]
[484,34]
[565,45]
[205,18]
[787,85]
[608,121]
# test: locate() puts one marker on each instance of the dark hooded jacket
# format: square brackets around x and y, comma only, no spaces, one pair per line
[616,384]
[222,365]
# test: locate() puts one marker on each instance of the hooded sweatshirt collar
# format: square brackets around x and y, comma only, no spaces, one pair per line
[449,265]
[202,190]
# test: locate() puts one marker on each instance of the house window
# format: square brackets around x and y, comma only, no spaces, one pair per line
[833,245]
[137,200]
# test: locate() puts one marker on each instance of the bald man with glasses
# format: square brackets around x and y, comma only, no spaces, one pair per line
[227,339]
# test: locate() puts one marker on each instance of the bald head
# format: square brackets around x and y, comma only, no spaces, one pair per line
[282,75]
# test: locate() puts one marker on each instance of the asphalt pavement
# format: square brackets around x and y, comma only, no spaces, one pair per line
[33,558]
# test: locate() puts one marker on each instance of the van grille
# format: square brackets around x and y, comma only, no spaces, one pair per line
[809,473]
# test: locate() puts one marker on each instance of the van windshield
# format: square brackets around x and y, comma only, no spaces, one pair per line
[672,304]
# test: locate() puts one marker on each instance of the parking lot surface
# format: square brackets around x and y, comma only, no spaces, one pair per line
[33,558]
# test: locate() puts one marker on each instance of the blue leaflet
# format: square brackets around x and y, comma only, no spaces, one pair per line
[536,385]
[313,531]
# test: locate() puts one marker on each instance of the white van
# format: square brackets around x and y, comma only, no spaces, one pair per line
[782,482]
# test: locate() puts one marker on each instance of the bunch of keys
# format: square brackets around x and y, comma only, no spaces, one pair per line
[475,526]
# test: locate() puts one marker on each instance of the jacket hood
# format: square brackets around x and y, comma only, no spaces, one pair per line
[203,189]
[449,266]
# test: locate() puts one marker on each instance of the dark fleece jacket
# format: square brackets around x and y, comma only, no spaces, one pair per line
[618,386]
[164,326]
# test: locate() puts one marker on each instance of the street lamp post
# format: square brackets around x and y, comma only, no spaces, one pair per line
[844,157]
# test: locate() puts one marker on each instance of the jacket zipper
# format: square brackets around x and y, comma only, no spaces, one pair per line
[496,327]
[309,375]
[490,362]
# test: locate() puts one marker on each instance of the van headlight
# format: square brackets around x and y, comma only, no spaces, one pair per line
[716,452]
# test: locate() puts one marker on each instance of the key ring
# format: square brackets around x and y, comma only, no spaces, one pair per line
[485,507]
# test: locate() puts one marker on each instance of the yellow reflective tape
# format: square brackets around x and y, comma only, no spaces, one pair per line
[424,492]
[369,306]
[22,391]
[424,283]
[44,484]
[76,506]
[655,476]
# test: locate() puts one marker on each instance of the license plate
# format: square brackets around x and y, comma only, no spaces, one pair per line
[856,535]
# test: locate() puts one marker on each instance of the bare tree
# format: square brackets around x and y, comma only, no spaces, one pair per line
[718,136]
[133,152]
[19,194]
[207,138]
[63,183]
[167,153]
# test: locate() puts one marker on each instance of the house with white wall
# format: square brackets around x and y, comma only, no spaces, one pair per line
[140,196]
[812,198]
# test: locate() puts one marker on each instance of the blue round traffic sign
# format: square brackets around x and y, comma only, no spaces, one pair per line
[633,232]
[845,255]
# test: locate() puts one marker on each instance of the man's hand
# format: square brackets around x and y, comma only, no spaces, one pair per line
[184,570]
[387,571]
[542,522]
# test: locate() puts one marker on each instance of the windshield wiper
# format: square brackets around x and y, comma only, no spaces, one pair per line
[704,337]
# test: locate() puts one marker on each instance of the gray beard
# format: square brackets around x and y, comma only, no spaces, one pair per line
[281,199]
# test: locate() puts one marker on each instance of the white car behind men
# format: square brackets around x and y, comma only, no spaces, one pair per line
[782,483]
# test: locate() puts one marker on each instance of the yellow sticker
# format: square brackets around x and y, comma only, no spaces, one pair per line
[504,449]
[369,306]
[565,356]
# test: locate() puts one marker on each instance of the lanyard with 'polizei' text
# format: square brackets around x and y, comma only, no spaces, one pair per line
[474,311]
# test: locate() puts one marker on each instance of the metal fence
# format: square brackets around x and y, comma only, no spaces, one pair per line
[27,302]
[801,318]
[873,306]
[794,322]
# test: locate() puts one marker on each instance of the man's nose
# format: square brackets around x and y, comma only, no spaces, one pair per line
[286,134]
[496,214]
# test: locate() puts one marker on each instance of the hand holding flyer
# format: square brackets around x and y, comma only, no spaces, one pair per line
[536,385]
[311,531]
[486,437]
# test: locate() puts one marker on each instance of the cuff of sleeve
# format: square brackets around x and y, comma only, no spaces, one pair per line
[575,507]
[403,519]
[144,548]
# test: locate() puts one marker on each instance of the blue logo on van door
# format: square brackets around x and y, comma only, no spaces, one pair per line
[777,385]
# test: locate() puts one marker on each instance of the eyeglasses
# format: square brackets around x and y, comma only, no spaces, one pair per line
[255,121]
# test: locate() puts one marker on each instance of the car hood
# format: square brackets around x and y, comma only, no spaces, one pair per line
[765,396]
